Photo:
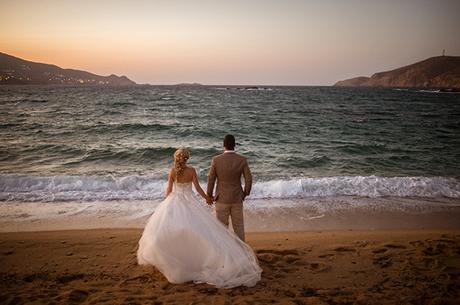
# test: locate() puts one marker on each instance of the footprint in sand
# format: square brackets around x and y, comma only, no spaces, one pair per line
[208,291]
[278,256]
[70,277]
[291,258]
[278,252]
[77,295]
[433,250]
[416,243]
[344,249]
[318,267]
[361,243]
[383,261]
[394,246]
[327,255]
[268,258]
[446,240]
[289,270]
[379,250]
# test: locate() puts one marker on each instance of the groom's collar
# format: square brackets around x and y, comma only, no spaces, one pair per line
[229,151]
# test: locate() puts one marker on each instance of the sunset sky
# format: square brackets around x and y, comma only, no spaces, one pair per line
[230,42]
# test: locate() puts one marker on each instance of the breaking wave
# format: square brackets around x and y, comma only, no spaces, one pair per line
[104,188]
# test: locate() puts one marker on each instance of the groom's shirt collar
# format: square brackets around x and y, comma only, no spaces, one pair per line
[229,151]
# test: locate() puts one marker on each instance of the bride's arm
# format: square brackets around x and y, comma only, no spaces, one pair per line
[198,188]
[170,182]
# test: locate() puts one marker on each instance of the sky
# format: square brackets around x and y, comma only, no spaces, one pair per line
[234,42]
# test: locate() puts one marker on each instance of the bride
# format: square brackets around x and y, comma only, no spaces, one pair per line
[186,242]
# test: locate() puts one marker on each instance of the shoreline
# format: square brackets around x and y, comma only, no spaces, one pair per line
[326,213]
[99,266]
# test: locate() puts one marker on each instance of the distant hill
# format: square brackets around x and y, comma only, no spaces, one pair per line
[434,72]
[17,71]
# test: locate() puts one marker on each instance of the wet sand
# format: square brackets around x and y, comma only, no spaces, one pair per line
[331,213]
[307,267]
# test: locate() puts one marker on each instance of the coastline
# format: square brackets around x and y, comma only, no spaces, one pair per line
[320,213]
[300,267]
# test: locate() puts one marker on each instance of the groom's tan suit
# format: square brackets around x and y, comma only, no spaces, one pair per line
[228,168]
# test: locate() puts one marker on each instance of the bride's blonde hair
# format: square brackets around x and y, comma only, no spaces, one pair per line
[180,160]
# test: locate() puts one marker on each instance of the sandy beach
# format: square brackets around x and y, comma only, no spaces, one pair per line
[309,267]
[326,131]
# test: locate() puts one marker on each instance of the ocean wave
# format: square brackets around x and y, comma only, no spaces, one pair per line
[137,155]
[134,127]
[17,100]
[73,155]
[104,188]
[79,188]
[365,186]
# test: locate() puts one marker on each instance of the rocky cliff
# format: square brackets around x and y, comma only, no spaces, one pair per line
[434,72]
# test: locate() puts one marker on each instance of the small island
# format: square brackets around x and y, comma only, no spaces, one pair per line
[440,72]
[17,71]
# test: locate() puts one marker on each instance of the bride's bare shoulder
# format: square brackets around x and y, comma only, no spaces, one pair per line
[190,169]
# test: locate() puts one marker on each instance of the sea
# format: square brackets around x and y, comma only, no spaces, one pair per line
[100,153]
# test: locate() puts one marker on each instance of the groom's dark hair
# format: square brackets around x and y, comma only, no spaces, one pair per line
[229,142]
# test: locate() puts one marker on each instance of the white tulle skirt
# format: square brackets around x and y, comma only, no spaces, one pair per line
[186,242]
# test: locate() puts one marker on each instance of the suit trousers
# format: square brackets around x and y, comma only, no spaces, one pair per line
[235,211]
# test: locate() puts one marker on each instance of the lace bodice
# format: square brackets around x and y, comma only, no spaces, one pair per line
[182,187]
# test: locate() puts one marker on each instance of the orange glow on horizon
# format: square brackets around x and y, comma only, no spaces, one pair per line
[217,42]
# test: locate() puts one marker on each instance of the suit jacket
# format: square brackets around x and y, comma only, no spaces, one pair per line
[228,168]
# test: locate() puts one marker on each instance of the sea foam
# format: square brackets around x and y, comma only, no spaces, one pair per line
[105,188]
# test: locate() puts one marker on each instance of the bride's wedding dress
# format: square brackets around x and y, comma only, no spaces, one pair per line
[186,242]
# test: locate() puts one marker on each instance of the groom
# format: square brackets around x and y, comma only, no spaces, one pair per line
[228,168]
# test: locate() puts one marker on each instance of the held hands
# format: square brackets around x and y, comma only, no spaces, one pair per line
[209,200]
